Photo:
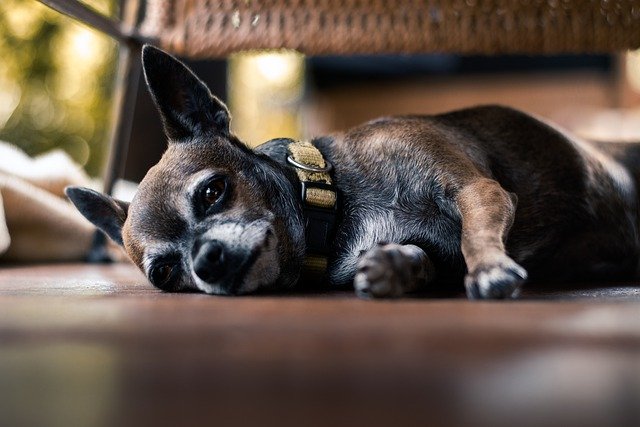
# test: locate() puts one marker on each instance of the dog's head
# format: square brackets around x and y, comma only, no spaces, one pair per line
[212,215]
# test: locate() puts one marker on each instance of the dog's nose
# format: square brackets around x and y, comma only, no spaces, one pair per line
[212,251]
[208,260]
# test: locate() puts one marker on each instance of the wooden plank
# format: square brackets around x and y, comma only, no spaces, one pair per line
[97,345]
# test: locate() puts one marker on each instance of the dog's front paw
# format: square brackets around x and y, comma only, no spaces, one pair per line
[498,280]
[383,272]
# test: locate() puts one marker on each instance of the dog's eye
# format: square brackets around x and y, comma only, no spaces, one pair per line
[161,275]
[213,191]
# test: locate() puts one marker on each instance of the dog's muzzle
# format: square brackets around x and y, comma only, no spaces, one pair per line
[235,258]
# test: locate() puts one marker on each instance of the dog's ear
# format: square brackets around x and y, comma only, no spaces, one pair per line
[186,105]
[105,212]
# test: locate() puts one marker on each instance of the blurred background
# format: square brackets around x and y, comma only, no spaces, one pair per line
[57,85]
[56,81]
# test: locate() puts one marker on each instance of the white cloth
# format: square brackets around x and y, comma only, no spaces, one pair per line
[37,223]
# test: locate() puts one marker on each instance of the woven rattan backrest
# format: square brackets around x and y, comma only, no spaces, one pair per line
[215,28]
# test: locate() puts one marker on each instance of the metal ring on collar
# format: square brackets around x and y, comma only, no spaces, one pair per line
[302,166]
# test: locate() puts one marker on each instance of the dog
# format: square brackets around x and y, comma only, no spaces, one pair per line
[486,197]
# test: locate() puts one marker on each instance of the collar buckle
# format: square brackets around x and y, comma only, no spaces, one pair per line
[310,168]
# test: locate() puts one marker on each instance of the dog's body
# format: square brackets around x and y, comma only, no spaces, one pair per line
[575,208]
[489,190]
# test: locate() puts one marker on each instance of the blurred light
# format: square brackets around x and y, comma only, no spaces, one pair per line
[80,52]
[41,109]
[9,99]
[84,45]
[266,90]
[277,68]
[633,69]
[84,48]
[23,21]
[78,148]
[80,123]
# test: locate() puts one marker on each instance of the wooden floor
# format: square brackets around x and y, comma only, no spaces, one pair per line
[97,346]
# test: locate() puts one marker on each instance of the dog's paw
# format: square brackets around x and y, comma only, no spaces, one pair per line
[498,280]
[383,272]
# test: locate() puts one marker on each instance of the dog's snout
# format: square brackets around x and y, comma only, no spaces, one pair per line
[232,257]
[208,260]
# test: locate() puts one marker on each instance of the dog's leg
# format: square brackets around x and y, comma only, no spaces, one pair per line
[390,270]
[487,212]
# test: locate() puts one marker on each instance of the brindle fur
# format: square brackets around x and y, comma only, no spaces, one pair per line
[482,194]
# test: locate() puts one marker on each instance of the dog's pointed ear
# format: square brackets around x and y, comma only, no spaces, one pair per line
[105,212]
[186,105]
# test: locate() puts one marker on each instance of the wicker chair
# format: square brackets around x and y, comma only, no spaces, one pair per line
[215,28]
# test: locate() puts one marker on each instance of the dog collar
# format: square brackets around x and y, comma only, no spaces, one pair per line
[319,202]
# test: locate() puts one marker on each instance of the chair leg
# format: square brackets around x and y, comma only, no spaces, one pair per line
[128,76]
[98,253]
[124,103]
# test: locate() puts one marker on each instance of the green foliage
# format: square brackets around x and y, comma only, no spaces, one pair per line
[56,81]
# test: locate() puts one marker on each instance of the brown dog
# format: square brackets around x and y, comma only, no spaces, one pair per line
[486,194]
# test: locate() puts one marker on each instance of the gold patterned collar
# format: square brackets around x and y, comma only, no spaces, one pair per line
[319,202]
